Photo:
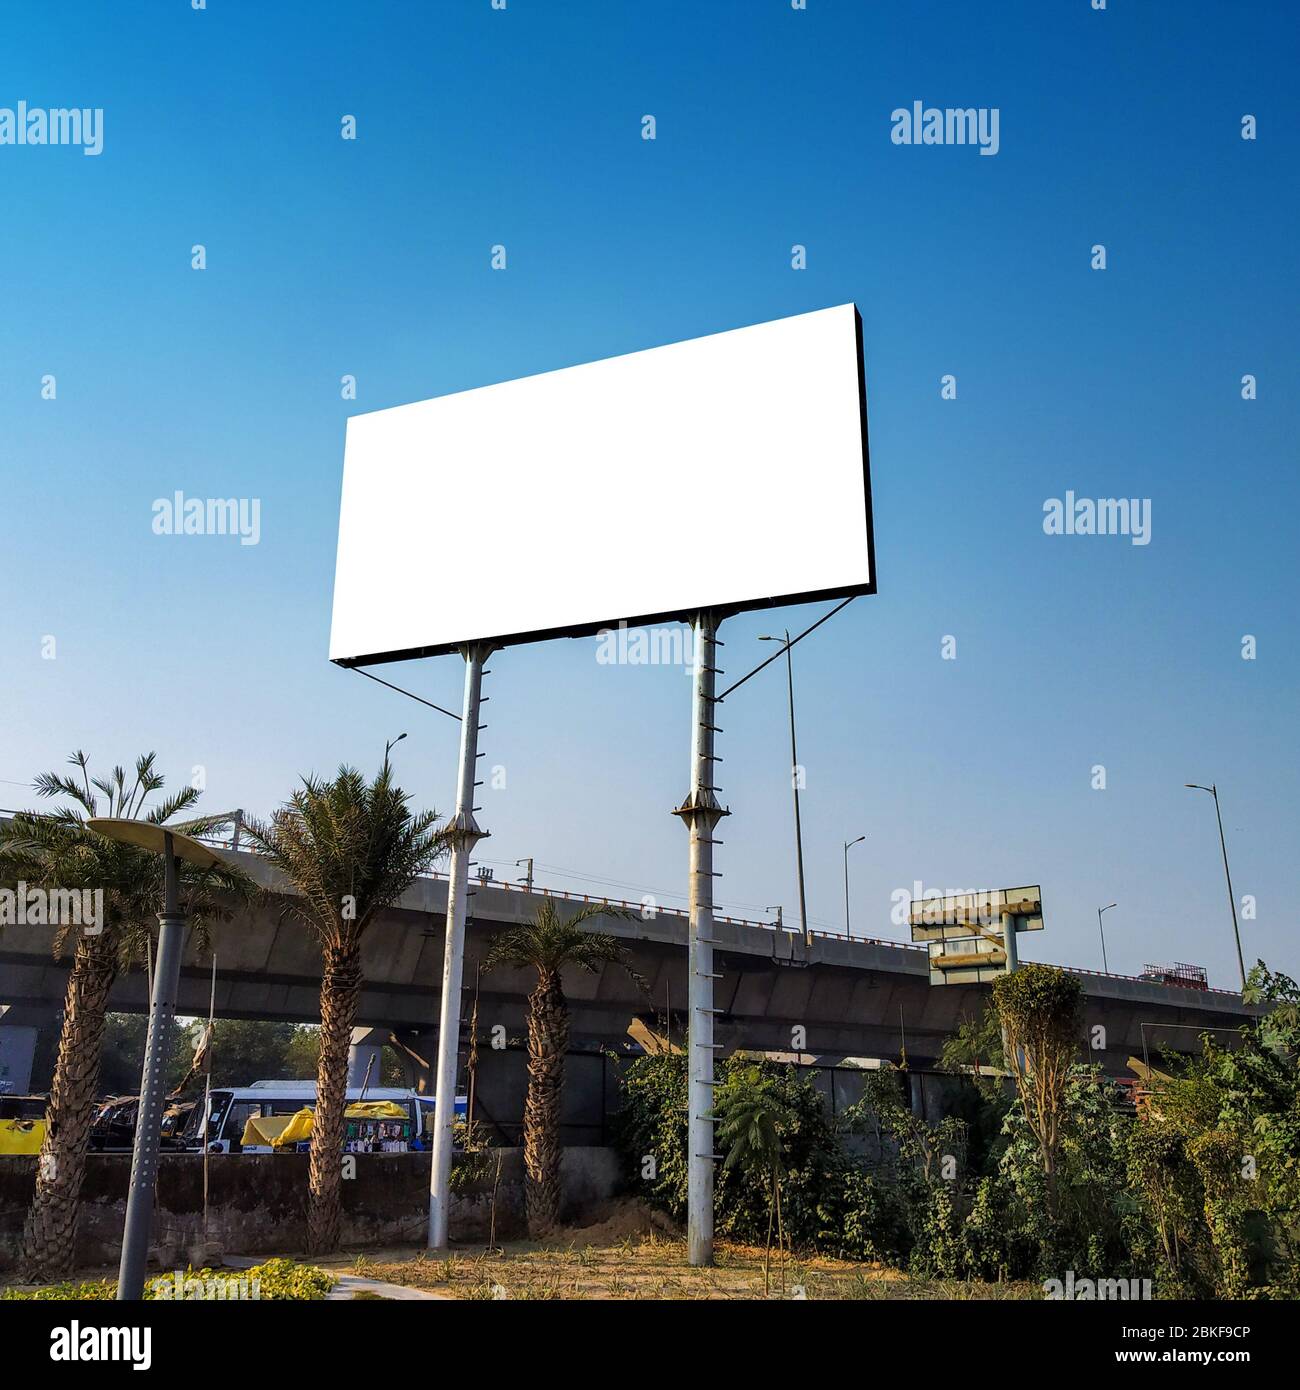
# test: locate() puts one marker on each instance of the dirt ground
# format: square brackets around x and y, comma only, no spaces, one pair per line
[627,1253]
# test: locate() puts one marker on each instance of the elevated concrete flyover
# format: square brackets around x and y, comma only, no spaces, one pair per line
[851,997]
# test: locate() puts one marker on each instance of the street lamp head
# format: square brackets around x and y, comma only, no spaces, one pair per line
[1108,907]
[147,835]
[848,844]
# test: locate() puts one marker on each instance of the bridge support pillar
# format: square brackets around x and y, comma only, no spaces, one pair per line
[366,1054]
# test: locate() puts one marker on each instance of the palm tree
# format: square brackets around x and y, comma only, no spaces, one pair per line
[351,850]
[751,1119]
[547,945]
[57,851]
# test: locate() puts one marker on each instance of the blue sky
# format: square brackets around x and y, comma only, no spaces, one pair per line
[327,257]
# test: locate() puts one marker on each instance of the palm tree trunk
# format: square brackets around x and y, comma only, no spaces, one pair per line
[50,1230]
[548,1039]
[339,992]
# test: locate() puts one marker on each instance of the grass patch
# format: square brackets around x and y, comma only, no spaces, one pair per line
[654,1266]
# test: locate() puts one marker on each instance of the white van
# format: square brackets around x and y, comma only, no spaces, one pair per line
[231,1107]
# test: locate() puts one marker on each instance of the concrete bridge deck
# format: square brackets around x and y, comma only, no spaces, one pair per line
[851,996]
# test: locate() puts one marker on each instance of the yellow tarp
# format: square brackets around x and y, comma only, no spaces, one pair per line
[283,1130]
[264,1130]
[377,1110]
[21,1136]
[300,1126]
[297,1128]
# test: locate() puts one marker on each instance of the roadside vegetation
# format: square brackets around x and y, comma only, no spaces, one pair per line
[277,1280]
[1042,1168]
[1199,1191]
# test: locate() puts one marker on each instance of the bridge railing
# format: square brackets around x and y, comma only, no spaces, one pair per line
[638,907]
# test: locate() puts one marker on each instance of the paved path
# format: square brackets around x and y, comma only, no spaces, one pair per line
[350,1285]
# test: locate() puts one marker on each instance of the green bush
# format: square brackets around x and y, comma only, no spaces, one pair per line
[278,1279]
[85,1290]
[866,1221]
[650,1132]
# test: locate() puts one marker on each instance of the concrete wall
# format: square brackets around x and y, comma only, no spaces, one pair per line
[257,1203]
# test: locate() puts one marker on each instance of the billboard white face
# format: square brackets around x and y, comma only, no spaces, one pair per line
[722,473]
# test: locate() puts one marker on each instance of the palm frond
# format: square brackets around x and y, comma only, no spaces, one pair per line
[551,942]
[57,850]
[349,847]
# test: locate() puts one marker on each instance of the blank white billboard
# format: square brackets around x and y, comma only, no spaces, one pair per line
[724,473]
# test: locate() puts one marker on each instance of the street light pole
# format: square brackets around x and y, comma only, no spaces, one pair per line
[794,782]
[1227,873]
[173,846]
[848,845]
[1105,967]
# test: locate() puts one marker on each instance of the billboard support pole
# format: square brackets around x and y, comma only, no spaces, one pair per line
[700,813]
[465,834]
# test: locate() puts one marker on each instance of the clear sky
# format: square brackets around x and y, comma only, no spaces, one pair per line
[523,127]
